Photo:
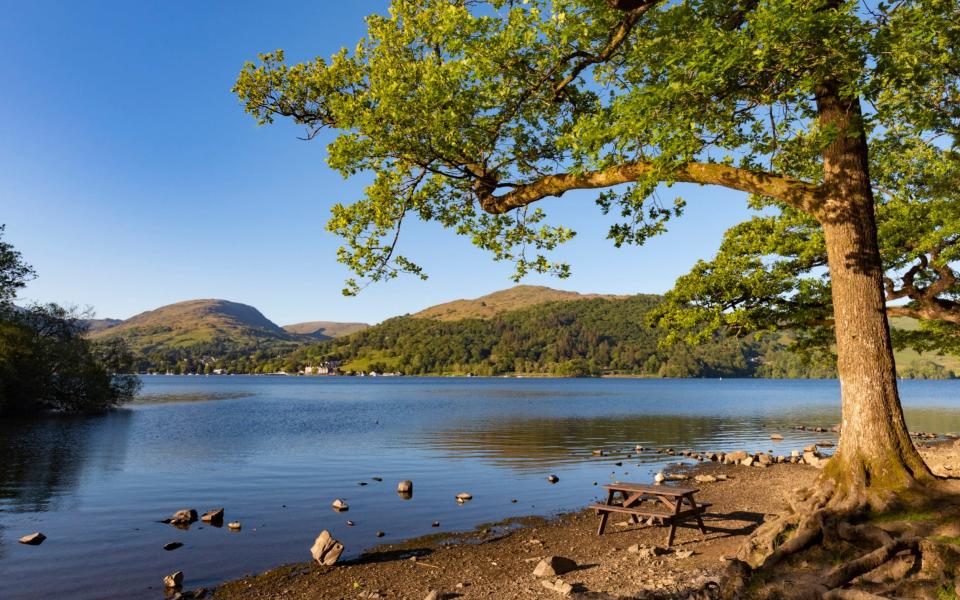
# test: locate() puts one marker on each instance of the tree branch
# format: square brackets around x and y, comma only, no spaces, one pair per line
[634,10]
[799,194]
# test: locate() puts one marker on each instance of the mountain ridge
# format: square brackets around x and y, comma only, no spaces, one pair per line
[502,301]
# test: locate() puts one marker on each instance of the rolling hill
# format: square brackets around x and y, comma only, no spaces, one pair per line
[515,298]
[324,330]
[195,322]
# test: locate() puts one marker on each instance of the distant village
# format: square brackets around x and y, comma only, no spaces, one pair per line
[330,367]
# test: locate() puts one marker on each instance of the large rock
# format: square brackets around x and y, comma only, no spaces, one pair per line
[184,517]
[732,458]
[326,550]
[552,566]
[34,539]
[214,516]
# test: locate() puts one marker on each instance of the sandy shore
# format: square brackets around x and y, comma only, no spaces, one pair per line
[497,561]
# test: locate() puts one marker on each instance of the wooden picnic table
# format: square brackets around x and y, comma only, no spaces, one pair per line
[661,503]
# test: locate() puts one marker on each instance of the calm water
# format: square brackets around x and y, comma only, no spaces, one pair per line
[275,452]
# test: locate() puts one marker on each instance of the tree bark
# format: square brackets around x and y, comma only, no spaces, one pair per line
[875,452]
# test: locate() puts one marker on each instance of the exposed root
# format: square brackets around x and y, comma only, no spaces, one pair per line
[851,595]
[826,525]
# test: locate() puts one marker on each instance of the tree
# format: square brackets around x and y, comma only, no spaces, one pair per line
[14,272]
[468,113]
[46,362]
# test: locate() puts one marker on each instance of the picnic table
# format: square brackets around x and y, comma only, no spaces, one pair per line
[663,504]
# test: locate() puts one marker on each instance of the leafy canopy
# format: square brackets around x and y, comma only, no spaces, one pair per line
[467,112]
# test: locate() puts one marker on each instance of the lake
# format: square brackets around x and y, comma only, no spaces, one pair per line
[275,452]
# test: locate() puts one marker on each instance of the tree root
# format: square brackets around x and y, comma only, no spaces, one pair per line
[816,517]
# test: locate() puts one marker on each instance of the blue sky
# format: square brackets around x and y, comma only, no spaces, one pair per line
[131,178]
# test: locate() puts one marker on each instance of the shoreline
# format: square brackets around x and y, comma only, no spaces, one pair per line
[497,560]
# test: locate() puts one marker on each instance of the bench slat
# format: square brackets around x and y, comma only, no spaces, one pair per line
[661,490]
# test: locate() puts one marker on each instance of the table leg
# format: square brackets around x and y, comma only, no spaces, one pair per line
[604,515]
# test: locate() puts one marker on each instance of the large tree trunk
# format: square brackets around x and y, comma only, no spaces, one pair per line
[875,452]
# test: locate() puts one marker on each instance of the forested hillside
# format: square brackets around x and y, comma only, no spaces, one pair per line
[574,338]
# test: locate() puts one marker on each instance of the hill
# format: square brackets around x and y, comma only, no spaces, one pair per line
[325,329]
[200,335]
[100,324]
[517,297]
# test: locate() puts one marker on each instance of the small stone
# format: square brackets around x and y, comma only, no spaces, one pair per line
[552,566]
[433,595]
[462,585]
[405,487]
[213,516]
[705,478]
[810,448]
[463,497]
[171,546]
[361,483]
[598,453]
[34,539]
[340,506]
[350,523]
[173,580]
[747,462]
[776,437]
[514,500]
[380,534]
[558,585]
[683,553]
[234,525]
[659,478]
[326,550]
[824,444]
[377,478]
[553,479]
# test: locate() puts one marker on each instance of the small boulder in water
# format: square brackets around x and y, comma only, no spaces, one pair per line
[340,506]
[184,517]
[173,580]
[553,478]
[234,525]
[659,478]
[34,539]
[214,516]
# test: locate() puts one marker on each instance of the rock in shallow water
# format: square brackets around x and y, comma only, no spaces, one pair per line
[34,539]
[213,517]
[173,580]
[184,517]
[172,546]
[340,506]
[234,525]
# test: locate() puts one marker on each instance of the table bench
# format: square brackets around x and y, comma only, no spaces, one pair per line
[666,504]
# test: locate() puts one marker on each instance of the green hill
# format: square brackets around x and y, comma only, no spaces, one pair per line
[325,330]
[201,335]
[195,322]
[486,307]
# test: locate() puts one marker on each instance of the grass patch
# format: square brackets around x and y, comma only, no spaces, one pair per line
[946,592]
[947,539]
[783,536]
[891,517]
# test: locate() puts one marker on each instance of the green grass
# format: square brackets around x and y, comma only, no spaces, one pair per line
[947,539]
[892,517]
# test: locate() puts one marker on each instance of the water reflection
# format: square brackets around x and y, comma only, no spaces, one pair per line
[43,460]
[534,443]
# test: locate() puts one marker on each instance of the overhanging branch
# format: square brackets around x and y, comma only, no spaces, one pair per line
[799,194]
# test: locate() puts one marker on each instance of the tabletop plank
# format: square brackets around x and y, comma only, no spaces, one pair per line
[661,490]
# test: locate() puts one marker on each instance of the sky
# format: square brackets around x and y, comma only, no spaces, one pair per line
[130,177]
